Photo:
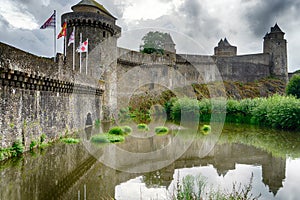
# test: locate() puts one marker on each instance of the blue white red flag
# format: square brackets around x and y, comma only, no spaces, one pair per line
[50,22]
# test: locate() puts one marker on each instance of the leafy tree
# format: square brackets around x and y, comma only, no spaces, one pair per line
[293,87]
[154,42]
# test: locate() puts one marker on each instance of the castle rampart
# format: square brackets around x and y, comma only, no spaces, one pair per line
[39,96]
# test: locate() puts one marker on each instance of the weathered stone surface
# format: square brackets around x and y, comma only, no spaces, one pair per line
[38,100]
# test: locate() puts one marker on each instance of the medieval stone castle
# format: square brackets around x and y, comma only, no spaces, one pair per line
[42,96]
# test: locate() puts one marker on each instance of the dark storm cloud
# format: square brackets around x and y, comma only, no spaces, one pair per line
[198,20]
[267,12]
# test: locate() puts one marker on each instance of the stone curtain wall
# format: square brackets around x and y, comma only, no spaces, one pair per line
[39,96]
[197,68]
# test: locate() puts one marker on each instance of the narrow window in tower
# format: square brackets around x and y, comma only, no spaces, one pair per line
[104,34]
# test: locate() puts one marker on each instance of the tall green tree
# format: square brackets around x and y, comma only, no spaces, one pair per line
[153,42]
[293,87]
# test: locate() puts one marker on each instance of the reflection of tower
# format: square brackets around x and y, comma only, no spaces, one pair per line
[273,172]
[95,23]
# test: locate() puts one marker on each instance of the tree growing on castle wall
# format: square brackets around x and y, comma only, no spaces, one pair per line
[153,42]
[293,87]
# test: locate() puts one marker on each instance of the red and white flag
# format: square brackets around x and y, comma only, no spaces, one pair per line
[83,47]
[72,38]
[50,22]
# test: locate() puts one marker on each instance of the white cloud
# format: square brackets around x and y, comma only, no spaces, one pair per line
[17,16]
[149,9]
[243,22]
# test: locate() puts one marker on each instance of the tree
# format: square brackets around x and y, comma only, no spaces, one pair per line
[293,87]
[154,42]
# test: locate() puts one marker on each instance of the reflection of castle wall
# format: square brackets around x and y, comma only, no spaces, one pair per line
[67,173]
[222,157]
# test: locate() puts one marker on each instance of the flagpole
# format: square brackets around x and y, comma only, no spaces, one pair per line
[65,41]
[87,56]
[54,49]
[80,53]
[74,49]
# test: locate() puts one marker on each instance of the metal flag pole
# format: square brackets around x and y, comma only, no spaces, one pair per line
[80,52]
[65,42]
[54,49]
[87,56]
[74,49]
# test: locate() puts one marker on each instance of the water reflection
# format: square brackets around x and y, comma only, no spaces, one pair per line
[62,171]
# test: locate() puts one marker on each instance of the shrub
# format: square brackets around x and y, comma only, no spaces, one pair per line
[5,153]
[116,131]
[43,137]
[127,129]
[161,130]
[97,122]
[206,129]
[100,138]
[33,144]
[143,127]
[186,108]
[293,87]
[168,106]
[17,148]
[278,112]
[107,138]
[115,138]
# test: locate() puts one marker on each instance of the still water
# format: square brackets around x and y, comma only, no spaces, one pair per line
[146,166]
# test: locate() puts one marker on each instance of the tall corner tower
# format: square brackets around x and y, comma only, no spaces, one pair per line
[91,21]
[276,46]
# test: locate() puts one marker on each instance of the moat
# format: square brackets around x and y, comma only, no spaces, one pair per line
[66,171]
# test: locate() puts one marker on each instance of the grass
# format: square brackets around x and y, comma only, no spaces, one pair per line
[281,112]
[206,129]
[116,131]
[127,129]
[161,130]
[195,188]
[43,137]
[97,122]
[33,144]
[15,150]
[143,127]
[100,138]
[107,138]
[120,130]
[70,140]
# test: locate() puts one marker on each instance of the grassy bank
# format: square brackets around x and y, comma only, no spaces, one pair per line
[141,106]
[282,112]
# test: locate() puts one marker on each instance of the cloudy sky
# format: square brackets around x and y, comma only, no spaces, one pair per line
[205,22]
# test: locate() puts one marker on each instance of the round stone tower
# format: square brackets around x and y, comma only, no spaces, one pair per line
[276,46]
[91,21]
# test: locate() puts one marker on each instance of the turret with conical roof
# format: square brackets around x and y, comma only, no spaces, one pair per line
[91,6]
[276,46]
[95,23]
[225,49]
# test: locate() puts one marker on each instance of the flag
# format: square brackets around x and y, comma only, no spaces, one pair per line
[50,22]
[83,47]
[63,31]
[72,38]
